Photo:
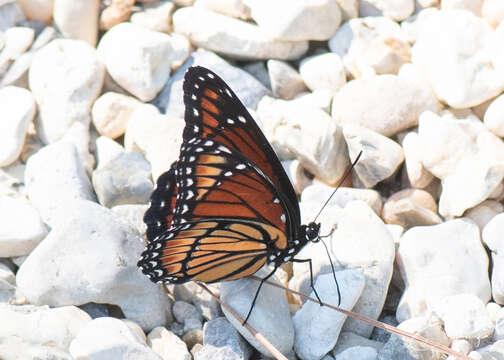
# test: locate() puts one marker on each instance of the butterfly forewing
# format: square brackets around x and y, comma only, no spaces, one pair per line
[214,182]
[214,111]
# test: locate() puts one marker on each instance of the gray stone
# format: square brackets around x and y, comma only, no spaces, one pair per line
[22,228]
[123,180]
[64,99]
[285,81]
[270,315]
[10,14]
[187,314]
[247,88]
[13,347]
[60,324]
[219,333]
[54,176]
[97,265]
[317,328]
[110,338]
[246,41]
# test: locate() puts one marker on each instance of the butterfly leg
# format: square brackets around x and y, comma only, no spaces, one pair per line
[257,294]
[311,276]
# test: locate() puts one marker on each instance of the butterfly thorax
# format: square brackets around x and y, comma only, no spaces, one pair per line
[307,233]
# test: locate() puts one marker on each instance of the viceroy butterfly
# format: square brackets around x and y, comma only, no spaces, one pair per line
[226,207]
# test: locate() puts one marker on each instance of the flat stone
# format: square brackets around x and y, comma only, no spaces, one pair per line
[247,41]
[53,177]
[464,317]
[17,40]
[155,135]
[81,270]
[323,71]
[17,74]
[167,345]
[270,315]
[188,315]
[395,10]
[156,16]
[373,165]
[351,245]
[13,347]
[317,328]
[493,116]
[418,176]
[248,89]
[493,12]
[79,135]
[285,81]
[22,228]
[78,19]
[412,26]
[63,99]
[110,338]
[448,67]
[206,304]
[219,333]
[430,327]
[482,213]
[234,8]
[349,9]
[491,238]
[308,133]
[111,113]
[318,193]
[386,104]
[370,45]
[366,241]
[123,180]
[473,6]
[107,150]
[358,352]
[18,108]
[116,12]
[299,21]
[37,9]
[458,264]
[60,324]
[133,214]
[348,340]
[150,55]
[411,207]
[442,137]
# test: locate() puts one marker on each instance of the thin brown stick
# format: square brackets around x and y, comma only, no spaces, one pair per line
[378,324]
[259,337]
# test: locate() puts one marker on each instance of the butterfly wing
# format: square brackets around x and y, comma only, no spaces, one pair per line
[159,216]
[226,206]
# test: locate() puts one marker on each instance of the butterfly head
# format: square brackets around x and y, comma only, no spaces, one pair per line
[312,231]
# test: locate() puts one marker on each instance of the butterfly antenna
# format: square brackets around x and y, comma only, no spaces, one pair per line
[333,272]
[345,175]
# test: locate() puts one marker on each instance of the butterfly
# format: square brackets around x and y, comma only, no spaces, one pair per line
[226,207]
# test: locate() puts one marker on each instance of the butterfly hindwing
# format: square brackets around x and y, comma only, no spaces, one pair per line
[159,216]
[209,251]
